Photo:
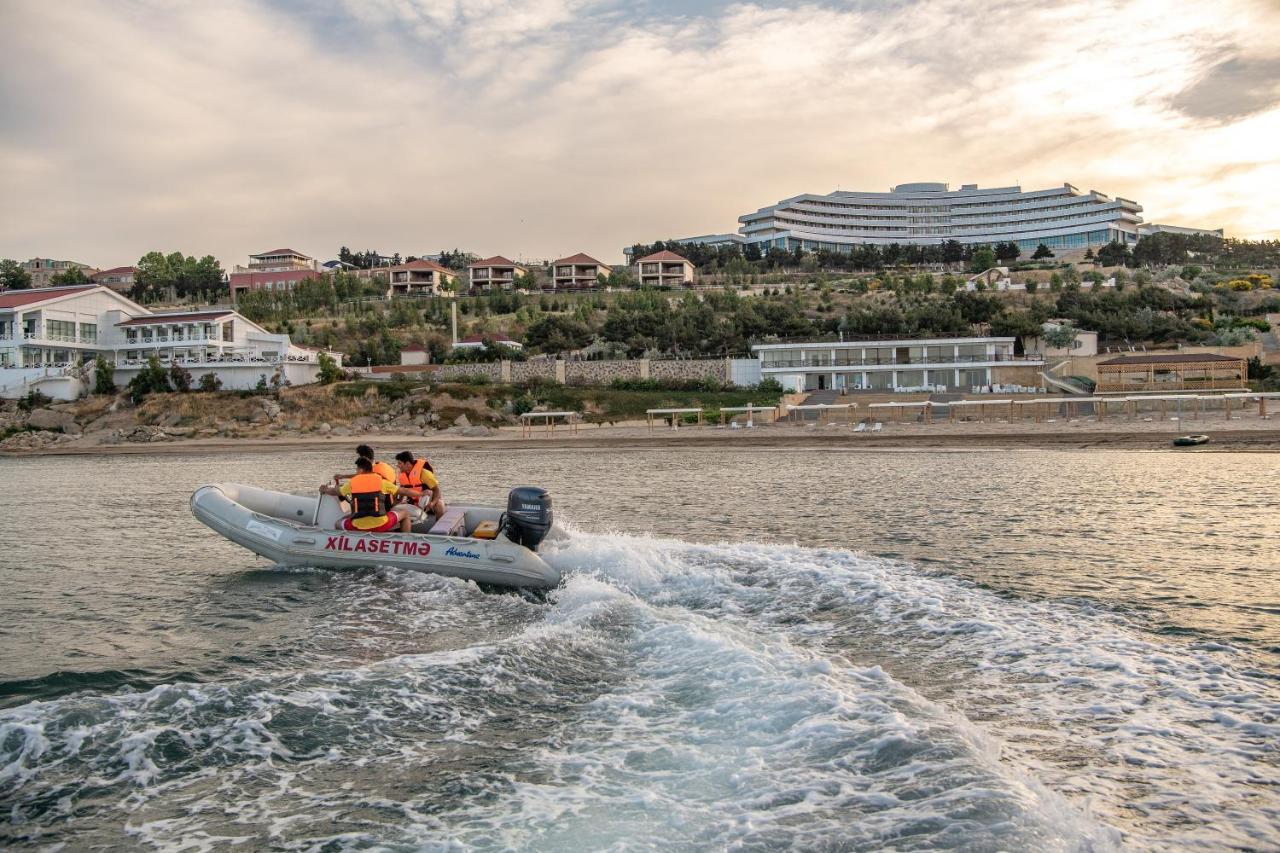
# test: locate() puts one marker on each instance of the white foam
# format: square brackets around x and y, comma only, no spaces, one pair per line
[1071,685]
[689,696]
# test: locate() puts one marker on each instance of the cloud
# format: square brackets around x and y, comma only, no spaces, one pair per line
[1232,89]
[544,127]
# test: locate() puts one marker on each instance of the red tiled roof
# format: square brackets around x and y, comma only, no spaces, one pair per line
[175,318]
[18,298]
[664,255]
[115,271]
[579,258]
[496,261]
[281,252]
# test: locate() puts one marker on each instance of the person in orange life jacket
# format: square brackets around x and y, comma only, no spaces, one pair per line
[370,497]
[419,484]
[382,469]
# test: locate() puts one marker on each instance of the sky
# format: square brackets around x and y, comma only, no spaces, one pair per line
[540,128]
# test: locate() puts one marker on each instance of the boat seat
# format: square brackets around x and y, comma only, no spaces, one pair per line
[452,523]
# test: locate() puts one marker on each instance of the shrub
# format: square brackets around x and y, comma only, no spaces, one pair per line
[103,377]
[261,387]
[152,379]
[523,403]
[769,385]
[353,389]
[180,378]
[209,382]
[34,400]
[329,370]
[396,388]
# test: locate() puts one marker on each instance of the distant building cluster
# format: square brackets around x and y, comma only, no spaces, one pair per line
[926,214]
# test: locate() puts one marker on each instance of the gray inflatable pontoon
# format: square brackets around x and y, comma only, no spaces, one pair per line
[300,530]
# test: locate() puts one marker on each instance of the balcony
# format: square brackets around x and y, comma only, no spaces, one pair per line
[997,358]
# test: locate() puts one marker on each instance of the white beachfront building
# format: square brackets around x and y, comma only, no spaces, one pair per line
[50,337]
[935,364]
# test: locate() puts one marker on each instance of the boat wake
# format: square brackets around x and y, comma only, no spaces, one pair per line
[672,694]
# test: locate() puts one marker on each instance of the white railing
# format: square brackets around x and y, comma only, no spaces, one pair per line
[220,360]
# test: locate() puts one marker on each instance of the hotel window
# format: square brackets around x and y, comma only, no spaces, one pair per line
[89,333]
[60,329]
[227,333]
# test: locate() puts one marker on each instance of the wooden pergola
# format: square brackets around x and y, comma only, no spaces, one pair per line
[674,414]
[572,419]
[825,411]
[1171,372]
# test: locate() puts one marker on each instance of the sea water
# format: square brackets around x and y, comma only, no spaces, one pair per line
[751,649]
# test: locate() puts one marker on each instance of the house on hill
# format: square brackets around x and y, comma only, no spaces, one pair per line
[664,268]
[119,279]
[496,272]
[577,272]
[277,269]
[419,278]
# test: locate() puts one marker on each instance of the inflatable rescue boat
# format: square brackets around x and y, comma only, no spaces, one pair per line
[480,543]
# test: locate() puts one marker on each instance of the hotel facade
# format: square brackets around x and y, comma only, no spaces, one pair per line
[49,339]
[929,214]
[936,364]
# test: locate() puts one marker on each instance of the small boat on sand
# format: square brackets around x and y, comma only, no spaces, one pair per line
[480,543]
[1190,440]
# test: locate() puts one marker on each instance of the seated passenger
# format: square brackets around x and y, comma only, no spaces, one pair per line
[370,497]
[419,484]
[382,469]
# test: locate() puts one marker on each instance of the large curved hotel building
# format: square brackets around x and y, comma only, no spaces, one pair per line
[1063,218]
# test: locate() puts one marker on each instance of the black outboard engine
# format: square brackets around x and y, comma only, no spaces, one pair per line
[528,517]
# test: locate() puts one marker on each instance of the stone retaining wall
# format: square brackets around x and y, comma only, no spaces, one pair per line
[600,372]
[685,369]
[524,371]
[491,369]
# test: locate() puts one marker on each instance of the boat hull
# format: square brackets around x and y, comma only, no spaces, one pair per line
[297,530]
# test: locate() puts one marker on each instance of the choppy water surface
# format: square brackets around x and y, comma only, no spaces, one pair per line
[820,650]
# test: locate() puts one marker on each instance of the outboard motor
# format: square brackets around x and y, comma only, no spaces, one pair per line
[528,516]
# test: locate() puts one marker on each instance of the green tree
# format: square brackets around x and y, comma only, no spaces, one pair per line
[1060,337]
[1032,286]
[152,379]
[70,276]
[13,276]
[329,370]
[1042,251]
[209,382]
[152,274]
[983,259]
[103,377]
[554,333]
[180,378]
[1114,254]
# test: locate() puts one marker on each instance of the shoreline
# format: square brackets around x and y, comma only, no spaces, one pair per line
[769,437]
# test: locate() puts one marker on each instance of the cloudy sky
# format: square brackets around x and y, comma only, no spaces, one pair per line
[538,128]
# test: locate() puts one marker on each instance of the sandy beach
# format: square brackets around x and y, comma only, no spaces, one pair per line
[1250,434]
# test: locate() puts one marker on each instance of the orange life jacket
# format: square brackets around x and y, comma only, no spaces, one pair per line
[385,471]
[413,479]
[367,497]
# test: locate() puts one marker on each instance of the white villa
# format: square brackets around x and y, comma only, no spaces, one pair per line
[939,364]
[49,338]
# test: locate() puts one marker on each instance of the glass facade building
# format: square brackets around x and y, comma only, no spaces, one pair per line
[1063,218]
